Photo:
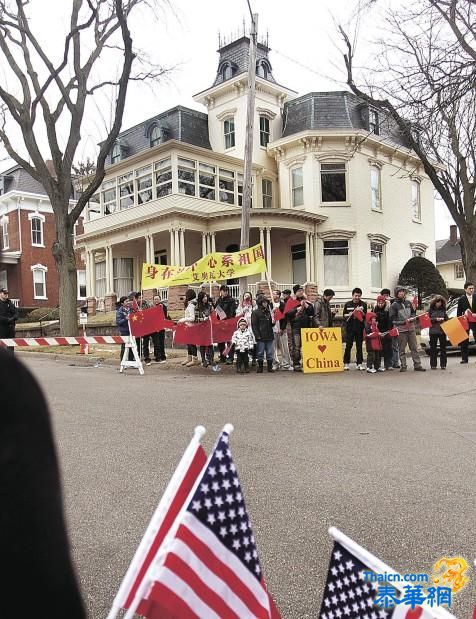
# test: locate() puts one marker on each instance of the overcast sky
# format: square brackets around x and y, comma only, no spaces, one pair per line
[305,52]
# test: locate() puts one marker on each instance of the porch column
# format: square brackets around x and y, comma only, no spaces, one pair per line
[109,271]
[213,248]
[152,249]
[308,257]
[204,244]
[268,251]
[147,249]
[182,246]
[172,246]
[261,240]
[311,256]
[316,272]
[176,247]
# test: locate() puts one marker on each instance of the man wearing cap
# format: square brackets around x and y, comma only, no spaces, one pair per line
[8,317]
[403,316]
[300,317]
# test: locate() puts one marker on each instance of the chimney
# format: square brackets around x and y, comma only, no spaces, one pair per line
[453,235]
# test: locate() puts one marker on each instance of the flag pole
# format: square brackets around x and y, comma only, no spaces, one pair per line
[155,522]
[157,562]
[380,567]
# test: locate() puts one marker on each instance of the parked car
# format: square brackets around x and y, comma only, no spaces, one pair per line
[425,335]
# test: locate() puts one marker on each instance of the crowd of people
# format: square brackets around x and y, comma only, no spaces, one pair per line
[268,333]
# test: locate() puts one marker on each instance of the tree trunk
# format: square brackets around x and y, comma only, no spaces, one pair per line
[468,251]
[63,252]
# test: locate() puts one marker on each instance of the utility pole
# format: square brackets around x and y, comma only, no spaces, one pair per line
[250,114]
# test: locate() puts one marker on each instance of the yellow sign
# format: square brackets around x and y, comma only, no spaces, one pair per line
[211,268]
[451,572]
[322,350]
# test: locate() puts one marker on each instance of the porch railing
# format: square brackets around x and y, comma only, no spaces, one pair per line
[16,302]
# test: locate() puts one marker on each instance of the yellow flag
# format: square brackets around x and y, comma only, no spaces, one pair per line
[214,267]
[455,331]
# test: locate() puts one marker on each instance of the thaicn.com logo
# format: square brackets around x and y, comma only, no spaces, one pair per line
[448,576]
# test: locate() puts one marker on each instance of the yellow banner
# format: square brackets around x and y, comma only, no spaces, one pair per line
[213,267]
[322,350]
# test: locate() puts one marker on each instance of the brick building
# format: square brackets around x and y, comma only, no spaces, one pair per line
[27,233]
[339,200]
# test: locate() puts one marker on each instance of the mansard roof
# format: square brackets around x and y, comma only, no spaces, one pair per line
[236,55]
[17,179]
[179,123]
[334,110]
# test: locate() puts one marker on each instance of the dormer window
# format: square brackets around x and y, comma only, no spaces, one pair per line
[227,71]
[116,154]
[154,135]
[263,69]
[374,125]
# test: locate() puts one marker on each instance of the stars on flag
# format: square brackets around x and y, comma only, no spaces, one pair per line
[347,595]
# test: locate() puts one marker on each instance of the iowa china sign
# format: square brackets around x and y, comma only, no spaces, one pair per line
[322,350]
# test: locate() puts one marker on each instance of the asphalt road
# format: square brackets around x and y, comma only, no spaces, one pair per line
[388,458]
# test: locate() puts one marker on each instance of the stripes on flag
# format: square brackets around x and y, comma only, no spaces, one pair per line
[173,500]
[211,567]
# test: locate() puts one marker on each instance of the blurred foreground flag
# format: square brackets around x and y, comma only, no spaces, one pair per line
[173,499]
[209,566]
[455,331]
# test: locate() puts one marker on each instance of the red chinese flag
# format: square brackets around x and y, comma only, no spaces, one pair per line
[393,332]
[464,322]
[145,322]
[369,316]
[415,301]
[425,321]
[359,315]
[278,314]
[223,329]
[470,316]
[198,333]
[291,304]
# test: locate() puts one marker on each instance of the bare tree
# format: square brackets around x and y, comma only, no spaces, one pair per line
[40,96]
[424,79]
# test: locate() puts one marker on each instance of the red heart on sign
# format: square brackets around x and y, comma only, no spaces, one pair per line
[322,347]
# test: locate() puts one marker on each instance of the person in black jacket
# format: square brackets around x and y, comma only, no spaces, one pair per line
[437,314]
[158,337]
[384,324]
[262,325]
[467,302]
[8,317]
[38,579]
[228,305]
[354,314]
[300,317]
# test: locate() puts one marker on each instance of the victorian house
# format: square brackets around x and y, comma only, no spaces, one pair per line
[338,198]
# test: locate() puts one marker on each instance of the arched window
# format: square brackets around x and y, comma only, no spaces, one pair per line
[116,153]
[263,69]
[227,71]
[154,135]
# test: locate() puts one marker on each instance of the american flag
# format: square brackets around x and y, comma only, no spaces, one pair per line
[175,496]
[347,594]
[212,569]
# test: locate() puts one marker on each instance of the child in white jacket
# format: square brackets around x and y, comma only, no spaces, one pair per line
[243,340]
